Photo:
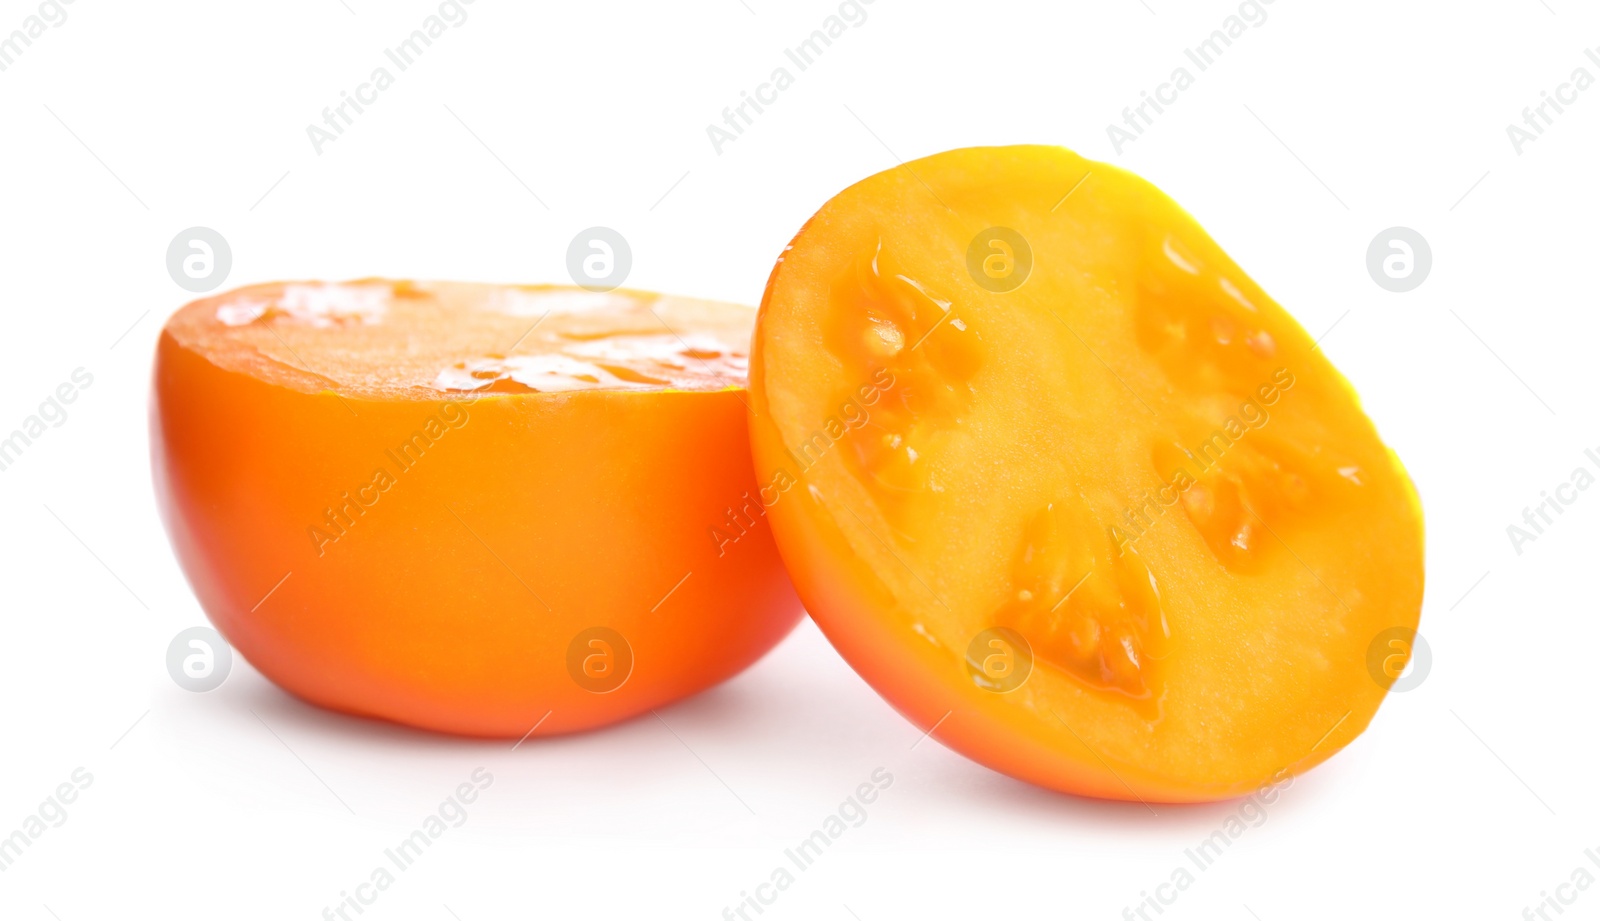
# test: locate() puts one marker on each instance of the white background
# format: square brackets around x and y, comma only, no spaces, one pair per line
[1315,131]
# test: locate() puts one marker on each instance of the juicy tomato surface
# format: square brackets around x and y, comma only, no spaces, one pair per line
[1069,489]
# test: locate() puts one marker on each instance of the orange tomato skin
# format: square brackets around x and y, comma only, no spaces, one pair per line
[444,587]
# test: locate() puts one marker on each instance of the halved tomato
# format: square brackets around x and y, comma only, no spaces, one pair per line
[470,508]
[1068,488]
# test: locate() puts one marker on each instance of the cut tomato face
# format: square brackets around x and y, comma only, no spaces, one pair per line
[1068,488]
[470,508]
